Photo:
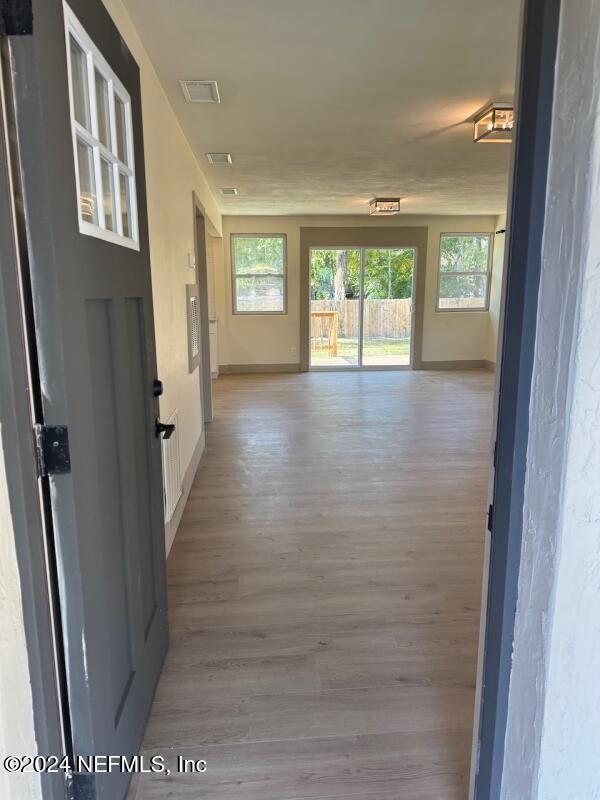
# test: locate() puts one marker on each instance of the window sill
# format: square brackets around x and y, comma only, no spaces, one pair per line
[88,229]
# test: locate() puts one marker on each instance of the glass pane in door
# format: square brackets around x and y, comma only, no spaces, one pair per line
[334,307]
[87,183]
[102,110]
[108,194]
[79,85]
[387,315]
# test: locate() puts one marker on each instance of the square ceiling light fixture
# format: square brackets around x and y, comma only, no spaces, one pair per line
[494,124]
[200,91]
[219,158]
[384,206]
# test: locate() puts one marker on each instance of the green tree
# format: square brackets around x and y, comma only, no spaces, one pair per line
[256,255]
[334,274]
[389,273]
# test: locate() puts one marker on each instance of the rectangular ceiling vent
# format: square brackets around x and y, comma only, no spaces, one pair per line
[219,158]
[200,91]
[229,192]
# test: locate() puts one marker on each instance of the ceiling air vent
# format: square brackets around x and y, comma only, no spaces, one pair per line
[200,91]
[219,158]
[229,192]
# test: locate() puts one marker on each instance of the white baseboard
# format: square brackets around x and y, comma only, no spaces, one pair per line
[470,364]
[190,473]
[248,369]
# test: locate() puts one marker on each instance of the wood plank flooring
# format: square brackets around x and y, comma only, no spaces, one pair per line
[325,589]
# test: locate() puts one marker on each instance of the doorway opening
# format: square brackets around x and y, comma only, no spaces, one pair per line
[361,307]
[319,543]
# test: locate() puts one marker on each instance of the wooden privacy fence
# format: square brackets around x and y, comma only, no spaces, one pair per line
[384,319]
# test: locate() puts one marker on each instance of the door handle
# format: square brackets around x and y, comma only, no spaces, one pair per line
[164,428]
[157,387]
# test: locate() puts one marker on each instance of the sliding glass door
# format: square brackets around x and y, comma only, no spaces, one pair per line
[361,307]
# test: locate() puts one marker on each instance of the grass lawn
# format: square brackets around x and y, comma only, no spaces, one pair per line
[375,347]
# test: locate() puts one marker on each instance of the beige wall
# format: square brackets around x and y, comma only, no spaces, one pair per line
[453,335]
[267,339]
[276,339]
[172,173]
[16,710]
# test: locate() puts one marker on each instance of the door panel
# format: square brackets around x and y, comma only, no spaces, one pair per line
[142,493]
[102,360]
[95,341]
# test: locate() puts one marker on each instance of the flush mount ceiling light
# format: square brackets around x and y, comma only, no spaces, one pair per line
[200,91]
[219,158]
[384,206]
[229,191]
[494,124]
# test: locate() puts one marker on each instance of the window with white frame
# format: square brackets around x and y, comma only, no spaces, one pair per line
[259,273]
[102,142]
[464,269]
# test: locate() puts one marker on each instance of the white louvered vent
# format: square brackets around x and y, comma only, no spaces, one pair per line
[200,91]
[219,158]
[171,469]
[194,327]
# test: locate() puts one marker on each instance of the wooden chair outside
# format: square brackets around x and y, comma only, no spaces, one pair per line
[324,331]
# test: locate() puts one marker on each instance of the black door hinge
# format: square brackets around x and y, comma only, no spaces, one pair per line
[81,786]
[52,448]
[490,519]
[495,459]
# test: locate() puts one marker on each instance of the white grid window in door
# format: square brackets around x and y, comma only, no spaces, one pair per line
[101,127]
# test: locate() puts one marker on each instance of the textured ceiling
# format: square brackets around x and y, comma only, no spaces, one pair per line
[327,103]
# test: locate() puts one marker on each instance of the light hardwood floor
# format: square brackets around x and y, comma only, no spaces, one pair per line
[325,589]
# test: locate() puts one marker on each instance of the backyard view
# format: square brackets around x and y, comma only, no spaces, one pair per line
[386,275]
[384,347]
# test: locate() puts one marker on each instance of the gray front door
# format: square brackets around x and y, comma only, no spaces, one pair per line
[87,247]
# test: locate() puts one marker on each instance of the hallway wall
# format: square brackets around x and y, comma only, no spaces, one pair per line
[250,340]
[172,173]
